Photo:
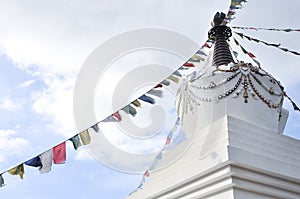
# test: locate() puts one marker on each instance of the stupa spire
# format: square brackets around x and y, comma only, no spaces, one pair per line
[220,34]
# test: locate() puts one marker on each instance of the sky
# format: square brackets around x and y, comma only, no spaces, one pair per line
[43,44]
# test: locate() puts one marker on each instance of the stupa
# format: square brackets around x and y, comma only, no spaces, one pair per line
[234,109]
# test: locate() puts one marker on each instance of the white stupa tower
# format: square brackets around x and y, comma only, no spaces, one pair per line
[235,117]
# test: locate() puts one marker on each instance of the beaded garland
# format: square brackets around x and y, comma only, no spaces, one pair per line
[245,74]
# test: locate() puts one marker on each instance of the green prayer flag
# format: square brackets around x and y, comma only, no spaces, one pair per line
[18,170]
[129,110]
[244,50]
[2,181]
[85,137]
[76,141]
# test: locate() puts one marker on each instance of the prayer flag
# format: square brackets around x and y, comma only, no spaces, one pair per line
[206,45]
[46,159]
[251,55]
[59,153]
[168,141]
[85,137]
[34,162]
[1,181]
[165,82]
[148,99]
[18,170]
[110,119]
[296,108]
[75,141]
[157,93]
[129,110]
[186,64]
[158,86]
[200,52]
[159,156]
[140,186]
[95,127]
[136,103]
[117,115]
[177,73]
[146,173]
[173,78]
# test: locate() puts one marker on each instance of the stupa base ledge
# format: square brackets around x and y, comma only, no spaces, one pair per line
[246,162]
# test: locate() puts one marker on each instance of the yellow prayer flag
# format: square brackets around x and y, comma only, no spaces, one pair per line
[18,170]
[173,78]
[85,137]
[136,103]
[197,57]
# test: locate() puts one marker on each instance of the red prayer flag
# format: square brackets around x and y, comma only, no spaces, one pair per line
[251,55]
[207,45]
[158,86]
[146,173]
[59,153]
[186,64]
[117,115]
[168,141]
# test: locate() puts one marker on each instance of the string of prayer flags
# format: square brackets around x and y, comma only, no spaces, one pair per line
[147,99]
[154,164]
[159,156]
[85,137]
[46,159]
[268,29]
[251,55]
[59,153]
[2,183]
[234,5]
[266,43]
[75,141]
[18,170]
[129,110]
[136,103]
[34,162]
[95,127]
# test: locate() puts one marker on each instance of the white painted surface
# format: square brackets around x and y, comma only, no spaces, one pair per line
[238,152]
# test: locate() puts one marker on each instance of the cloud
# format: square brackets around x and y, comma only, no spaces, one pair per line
[52,47]
[55,102]
[10,105]
[11,144]
[26,84]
